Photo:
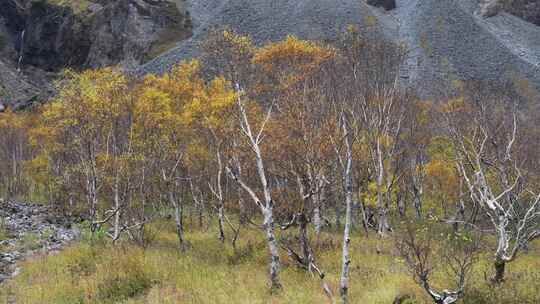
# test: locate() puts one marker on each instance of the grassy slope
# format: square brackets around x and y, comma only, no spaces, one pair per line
[212,273]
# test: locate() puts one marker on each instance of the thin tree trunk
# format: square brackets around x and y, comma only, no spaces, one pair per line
[460,214]
[178,220]
[219,195]
[200,208]
[318,199]
[417,188]
[266,207]
[381,205]
[500,267]
[317,221]
[221,221]
[273,248]
[116,210]
[304,241]
[92,194]
[346,260]
[401,205]
[365,223]
[417,201]
[502,245]
[241,205]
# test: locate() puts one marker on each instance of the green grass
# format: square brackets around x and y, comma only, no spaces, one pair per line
[78,6]
[29,242]
[209,272]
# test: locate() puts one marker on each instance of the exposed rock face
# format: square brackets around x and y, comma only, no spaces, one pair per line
[18,89]
[386,4]
[108,32]
[30,228]
[38,35]
[490,8]
[132,31]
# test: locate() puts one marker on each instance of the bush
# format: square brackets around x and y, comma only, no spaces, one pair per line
[82,260]
[131,281]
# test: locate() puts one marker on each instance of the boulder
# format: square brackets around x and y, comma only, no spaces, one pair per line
[386,4]
[490,8]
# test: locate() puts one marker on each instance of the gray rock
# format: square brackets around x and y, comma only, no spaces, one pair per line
[117,32]
[490,8]
[528,10]
[4,277]
[446,39]
[386,4]
[21,220]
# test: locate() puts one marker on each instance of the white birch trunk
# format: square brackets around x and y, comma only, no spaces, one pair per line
[383,217]
[116,234]
[317,220]
[266,207]
[346,260]
[275,264]
[178,220]
[221,208]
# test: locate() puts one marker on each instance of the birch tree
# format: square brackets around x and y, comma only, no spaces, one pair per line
[254,139]
[78,126]
[372,72]
[346,163]
[486,136]
[456,257]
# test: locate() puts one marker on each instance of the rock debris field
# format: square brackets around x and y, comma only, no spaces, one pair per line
[447,40]
[27,230]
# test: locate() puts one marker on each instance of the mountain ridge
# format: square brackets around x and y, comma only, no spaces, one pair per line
[447,40]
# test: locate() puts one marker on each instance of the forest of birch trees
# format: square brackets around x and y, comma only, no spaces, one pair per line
[296,136]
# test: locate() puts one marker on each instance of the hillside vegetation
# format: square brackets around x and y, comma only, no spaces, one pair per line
[211,272]
[293,172]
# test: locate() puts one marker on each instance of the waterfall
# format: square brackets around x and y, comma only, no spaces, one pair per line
[21,51]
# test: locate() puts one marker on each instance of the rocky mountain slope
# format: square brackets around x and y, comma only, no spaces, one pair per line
[526,9]
[448,40]
[38,38]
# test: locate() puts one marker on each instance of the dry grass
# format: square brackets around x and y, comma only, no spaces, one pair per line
[210,272]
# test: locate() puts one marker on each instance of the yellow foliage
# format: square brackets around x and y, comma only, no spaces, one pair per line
[442,177]
[455,105]
[243,45]
[292,59]
[87,102]
[10,121]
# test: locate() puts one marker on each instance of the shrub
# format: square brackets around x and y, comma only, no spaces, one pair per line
[128,281]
